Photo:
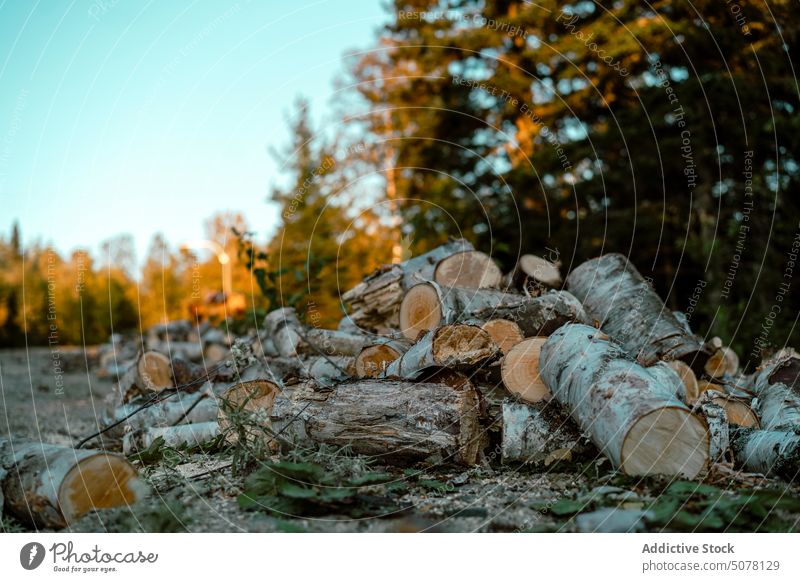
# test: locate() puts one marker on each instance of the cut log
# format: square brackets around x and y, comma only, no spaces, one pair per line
[373,359]
[718,431]
[722,362]
[737,409]
[686,374]
[782,368]
[505,333]
[375,302]
[776,404]
[150,372]
[631,312]
[632,416]
[427,306]
[328,370]
[536,433]
[283,327]
[391,421]
[770,452]
[181,408]
[457,346]
[175,437]
[50,486]
[520,371]
[532,273]
[292,338]
[468,270]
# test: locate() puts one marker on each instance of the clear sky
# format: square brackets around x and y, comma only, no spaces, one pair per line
[144,116]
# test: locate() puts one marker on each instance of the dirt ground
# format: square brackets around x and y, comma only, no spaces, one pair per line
[198,492]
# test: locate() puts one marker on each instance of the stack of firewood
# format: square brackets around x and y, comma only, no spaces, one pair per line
[443,359]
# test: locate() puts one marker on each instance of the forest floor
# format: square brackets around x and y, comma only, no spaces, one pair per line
[198,491]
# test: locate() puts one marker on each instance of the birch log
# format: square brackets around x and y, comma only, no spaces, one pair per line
[505,333]
[771,452]
[632,415]
[175,437]
[427,306]
[535,433]
[150,371]
[391,421]
[375,302]
[520,371]
[533,273]
[468,270]
[718,429]
[777,405]
[291,338]
[49,486]
[782,367]
[457,346]
[373,359]
[616,295]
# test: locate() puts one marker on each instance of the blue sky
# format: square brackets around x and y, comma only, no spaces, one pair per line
[145,116]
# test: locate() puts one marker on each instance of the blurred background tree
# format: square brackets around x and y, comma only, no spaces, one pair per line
[591,128]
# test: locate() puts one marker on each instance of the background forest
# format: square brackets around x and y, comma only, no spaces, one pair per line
[666,131]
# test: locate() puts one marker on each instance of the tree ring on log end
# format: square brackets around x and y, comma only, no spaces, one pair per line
[420,311]
[468,270]
[666,441]
[520,370]
[101,481]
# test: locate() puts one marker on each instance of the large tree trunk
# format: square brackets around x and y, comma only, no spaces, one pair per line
[49,486]
[375,302]
[632,415]
[391,421]
[456,346]
[427,306]
[631,312]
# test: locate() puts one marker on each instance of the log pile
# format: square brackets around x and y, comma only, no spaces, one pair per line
[442,359]
[440,352]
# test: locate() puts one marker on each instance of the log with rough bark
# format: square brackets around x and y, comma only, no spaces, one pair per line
[375,302]
[373,359]
[244,407]
[534,433]
[175,437]
[292,338]
[533,273]
[394,422]
[616,295]
[520,371]
[469,270]
[427,306]
[632,415]
[457,346]
[49,486]
[771,452]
